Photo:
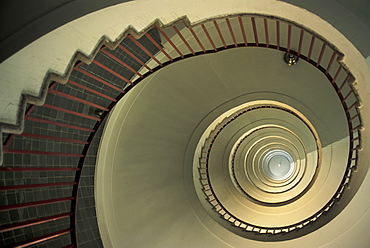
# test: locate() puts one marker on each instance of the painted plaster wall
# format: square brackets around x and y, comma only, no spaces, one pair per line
[25,71]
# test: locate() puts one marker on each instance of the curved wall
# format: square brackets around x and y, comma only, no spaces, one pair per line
[57,59]
[22,22]
[144,176]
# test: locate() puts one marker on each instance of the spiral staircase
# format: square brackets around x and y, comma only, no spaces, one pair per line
[210,118]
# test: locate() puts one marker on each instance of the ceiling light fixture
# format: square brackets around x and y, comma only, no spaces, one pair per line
[290,59]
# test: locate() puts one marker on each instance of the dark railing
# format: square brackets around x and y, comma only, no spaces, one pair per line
[42,167]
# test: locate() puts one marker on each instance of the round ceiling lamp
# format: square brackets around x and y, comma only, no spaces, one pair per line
[290,59]
[277,164]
